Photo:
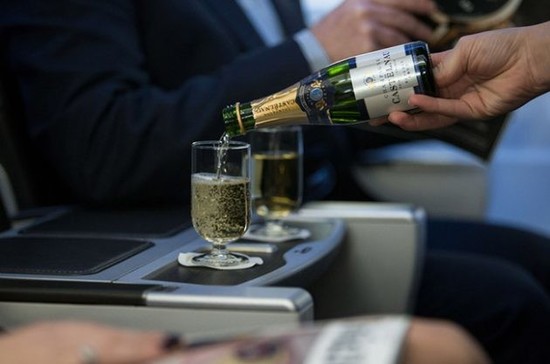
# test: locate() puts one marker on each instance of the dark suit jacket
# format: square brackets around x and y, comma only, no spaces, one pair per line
[114,92]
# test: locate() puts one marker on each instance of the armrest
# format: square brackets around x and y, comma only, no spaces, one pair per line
[378,268]
[190,310]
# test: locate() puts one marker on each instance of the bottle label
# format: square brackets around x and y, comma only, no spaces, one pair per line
[367,59]
[386,85]
[384,78]
[382,105]
[371,58]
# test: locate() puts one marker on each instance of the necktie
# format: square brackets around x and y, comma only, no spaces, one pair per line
[290,14]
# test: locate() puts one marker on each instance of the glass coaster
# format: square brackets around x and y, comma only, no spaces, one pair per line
[186,259]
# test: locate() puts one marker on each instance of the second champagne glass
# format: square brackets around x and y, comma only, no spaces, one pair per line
[277,175]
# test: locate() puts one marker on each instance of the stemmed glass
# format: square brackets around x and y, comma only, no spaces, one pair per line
[220,198]
[277,176]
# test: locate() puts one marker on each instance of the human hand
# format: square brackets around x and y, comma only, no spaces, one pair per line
[427,341]
[359,26]
[70,342]
[483,76]
[431,341]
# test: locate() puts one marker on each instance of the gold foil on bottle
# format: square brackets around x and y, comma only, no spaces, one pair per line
[239,118]
[278,109]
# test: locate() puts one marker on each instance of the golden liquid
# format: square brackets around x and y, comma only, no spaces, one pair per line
[276,188]
[220,207]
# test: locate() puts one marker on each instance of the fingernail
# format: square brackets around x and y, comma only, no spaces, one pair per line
[171,341]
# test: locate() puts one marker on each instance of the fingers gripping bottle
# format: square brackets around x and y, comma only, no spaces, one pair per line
[350,91]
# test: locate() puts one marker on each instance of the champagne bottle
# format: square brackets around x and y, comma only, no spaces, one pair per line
[349,91]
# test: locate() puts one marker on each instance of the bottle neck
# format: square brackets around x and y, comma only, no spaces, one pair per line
[238,119]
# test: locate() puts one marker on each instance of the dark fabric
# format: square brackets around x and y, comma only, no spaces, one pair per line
[17,153]
[115,92]
[494,280]
[523,248]
[500,304]
[290,14]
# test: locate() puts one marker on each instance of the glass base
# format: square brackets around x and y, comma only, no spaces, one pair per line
[278,231]
[276,234]
[214,259]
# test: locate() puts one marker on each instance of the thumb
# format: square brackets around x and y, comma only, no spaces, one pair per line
[447,68]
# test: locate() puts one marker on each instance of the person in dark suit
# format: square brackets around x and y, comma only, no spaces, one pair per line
[114,92]
[129,85]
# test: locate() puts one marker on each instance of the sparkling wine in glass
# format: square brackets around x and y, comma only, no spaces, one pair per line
[220,197]
[277,176]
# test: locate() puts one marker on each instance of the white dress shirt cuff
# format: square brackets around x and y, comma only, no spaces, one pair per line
[312,50]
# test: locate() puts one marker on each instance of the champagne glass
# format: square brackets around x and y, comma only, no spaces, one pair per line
[277,155]
[220,198]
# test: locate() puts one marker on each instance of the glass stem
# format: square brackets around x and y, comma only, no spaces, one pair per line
[219,250]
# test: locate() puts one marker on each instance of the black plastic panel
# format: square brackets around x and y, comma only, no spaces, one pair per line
[64,255]
[25,290]
[148,223]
